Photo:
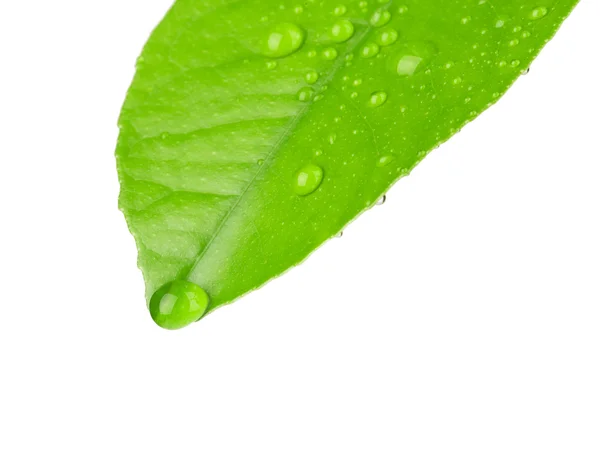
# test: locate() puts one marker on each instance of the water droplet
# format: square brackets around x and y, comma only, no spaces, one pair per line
[380,18]
[312,53]
[456,81]
[298,9]
[381,201]
[340,10]
[515,63]
[283,40]
[412,58]
[363,4]
[308,179]
[354,95]
[339,235]
[501,21]
[330,53]
[369,50]
[260,162]
[377,99]
[311,77]
[526,71]
[178,304]
[465,20]
[271,64]
[402,9]
[538,13]
[318,152]
[513,42]
[342,31]
[384,160]
[306,94]
[526,34]
[386,37]
[357,82]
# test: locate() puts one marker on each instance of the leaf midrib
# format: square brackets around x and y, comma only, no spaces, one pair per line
[358,40]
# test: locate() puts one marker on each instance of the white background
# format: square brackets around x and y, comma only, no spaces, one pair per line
[462,318]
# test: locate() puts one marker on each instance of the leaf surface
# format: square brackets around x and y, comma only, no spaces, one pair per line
[255,130]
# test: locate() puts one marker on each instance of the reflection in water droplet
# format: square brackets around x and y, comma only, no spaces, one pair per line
[178,304]
[308,179]
[330,53]
[306,94]
[380,18]
[386,37]
[378,99]
[283,40]
[342,31]
[538,13]
[369,50]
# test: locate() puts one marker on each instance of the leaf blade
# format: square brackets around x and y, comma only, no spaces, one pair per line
[213,133]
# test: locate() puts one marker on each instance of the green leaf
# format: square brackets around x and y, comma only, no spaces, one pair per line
[255,130]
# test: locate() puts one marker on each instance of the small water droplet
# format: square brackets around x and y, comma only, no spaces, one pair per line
[306,94]
[369,50]
[515,63]
[342,31]
[386,37]
[377,99]
[402,9]
[298,9]
[354,95]
[283,40]
[260,162]
[465,20]
[330,53]
[308,179]
[357,82]
[384,160]
[381,201]
[311,77]
[271,64]
[178,304]
[538,13]
[380,18]
[340,10]
[318,152]
[526,71]
[339,235]
[456,81]
[363,4]
[513,42]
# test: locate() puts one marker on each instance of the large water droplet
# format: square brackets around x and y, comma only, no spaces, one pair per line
[342,31]
[538,13]
[178,304]
[412,58]
[377,99]
[308,179]
[283,40]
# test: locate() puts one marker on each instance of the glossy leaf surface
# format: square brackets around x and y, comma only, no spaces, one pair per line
[255,130]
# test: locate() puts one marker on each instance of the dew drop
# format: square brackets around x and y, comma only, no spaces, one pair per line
[381,201]
[306,94]
[380,18]
[340,10]
[412,58]
[283,40]
[377,99]
[178,304]
[386,37]
[402,9]
[298,9]
[308,179]
[330,53]
[369,50]
[311,77]
[384,160]
[271,64]
[538,13]
[342,31]
[465,20]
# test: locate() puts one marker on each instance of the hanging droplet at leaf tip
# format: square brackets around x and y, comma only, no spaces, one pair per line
[178,304]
